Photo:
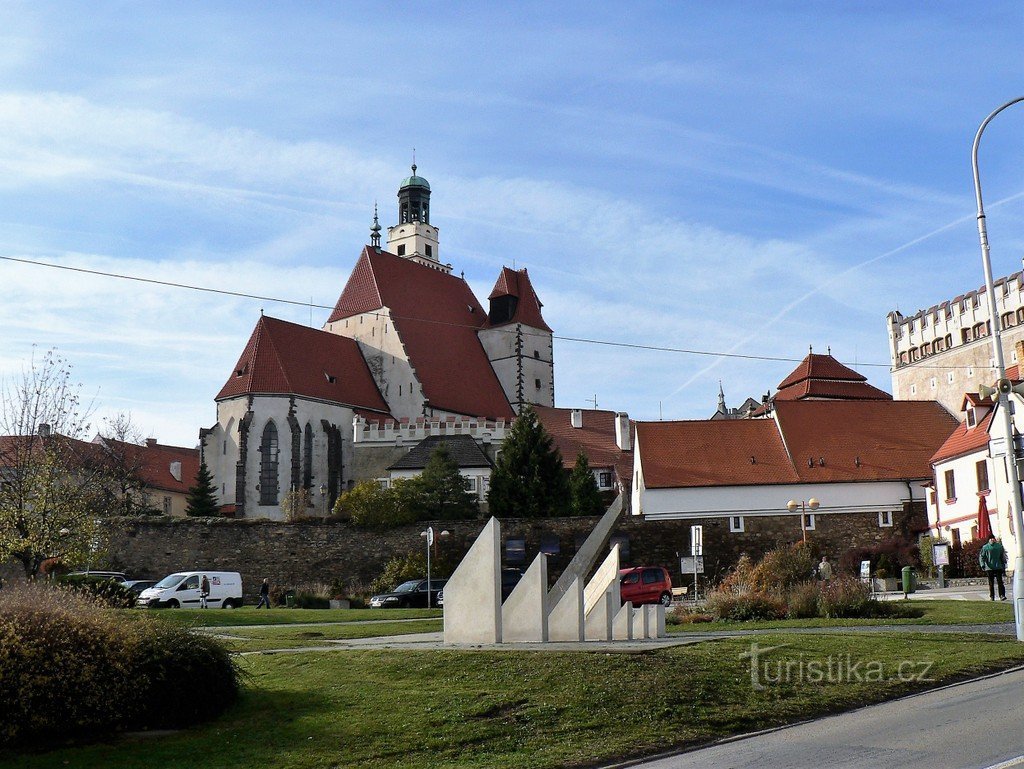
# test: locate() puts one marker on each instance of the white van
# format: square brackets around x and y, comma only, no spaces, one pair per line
[181,590]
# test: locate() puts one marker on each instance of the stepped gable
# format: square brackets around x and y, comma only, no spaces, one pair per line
[284,358]
[516,283]
[437,318]
[713,452]
[822,377]
[596,438]
[863,440]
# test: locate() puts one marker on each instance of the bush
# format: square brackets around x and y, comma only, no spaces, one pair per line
[891,554]
[846,597]
[411,566]
[783,567]
[105,590]
[371,507]
[963,559]
[802,600]
[740,607]
[687,615]
[313,596]
[70,668]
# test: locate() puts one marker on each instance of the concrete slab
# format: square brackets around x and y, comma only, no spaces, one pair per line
[524,615]
[565,617]
[472,597]
[641,623]
[622,624]
[589,552]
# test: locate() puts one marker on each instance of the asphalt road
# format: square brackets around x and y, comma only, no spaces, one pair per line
[977,725]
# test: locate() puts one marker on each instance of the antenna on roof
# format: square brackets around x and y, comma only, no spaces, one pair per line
[593,400]
[828,350]
[413,161]
[810,349]
[661,416]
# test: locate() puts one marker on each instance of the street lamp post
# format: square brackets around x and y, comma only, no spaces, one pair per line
[1003,386]
[429,536]
[323,499]
[793,505]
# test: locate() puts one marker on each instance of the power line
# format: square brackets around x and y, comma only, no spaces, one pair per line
[311,304]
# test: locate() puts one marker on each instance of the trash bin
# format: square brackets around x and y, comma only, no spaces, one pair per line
[289,600]
[909,580]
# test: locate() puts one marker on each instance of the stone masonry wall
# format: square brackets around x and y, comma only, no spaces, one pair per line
[321,551]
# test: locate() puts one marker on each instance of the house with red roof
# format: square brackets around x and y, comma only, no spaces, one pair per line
[969,481]
[863,459]
[407,345]
[605,437]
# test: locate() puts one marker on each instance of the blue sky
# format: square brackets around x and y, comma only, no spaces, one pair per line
[727,177]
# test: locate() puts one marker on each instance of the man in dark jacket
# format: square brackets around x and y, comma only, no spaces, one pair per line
[992,559]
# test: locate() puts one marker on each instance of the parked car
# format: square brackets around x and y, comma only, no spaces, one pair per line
[509,579]
[119,576]
[409,595]
[645,584]
[181,590]
[138,585]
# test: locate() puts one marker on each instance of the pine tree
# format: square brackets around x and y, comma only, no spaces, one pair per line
[585,497]
[202,498]
[439,493]
[529,480]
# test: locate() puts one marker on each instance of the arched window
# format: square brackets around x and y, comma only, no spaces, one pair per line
[307,457]
[268,465]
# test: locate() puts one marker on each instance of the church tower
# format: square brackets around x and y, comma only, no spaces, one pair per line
[414,237]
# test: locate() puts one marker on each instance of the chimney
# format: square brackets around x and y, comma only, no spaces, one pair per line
[43,430]
[576,418]
[176,470]
[150,443]
[623,437]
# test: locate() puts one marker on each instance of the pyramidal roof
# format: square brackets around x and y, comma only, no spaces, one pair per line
[437,318]
[822,377]
[286,358]
[528,308]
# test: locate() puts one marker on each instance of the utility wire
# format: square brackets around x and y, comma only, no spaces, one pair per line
[310,304]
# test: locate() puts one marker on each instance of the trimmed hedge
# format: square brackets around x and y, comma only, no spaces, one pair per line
[71,669]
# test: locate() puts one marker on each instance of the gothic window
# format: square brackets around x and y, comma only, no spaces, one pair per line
[307,458]
[268,465]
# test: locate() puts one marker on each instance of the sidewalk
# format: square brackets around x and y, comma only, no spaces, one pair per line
[964,593]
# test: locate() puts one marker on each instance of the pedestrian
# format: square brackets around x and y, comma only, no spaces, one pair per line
[204,592]
[264,594]
[992,559]
[824,569]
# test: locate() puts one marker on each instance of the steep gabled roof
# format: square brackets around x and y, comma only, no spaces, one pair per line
[822,377]
[965,440]
[596,438]
[805,442]
[437,318]
[153,463]
[713,452]
[528,307]
[462,448]
[286,358]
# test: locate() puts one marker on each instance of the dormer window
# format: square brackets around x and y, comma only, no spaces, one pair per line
[330,378]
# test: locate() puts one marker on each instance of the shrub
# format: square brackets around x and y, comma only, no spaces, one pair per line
[313,596]
[740,607]
[411,566]
[106,591]
[802,600]
[783,567]
[963,559]
[687,615]
[370,506]
[741,578]
[891,554]
[846,597]
[70,668]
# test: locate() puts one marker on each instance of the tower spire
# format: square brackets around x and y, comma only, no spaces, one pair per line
[721,398]
[375,229]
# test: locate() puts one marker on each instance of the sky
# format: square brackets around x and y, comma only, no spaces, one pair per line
[745,180]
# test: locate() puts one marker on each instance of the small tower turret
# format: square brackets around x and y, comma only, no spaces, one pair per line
[375,229]
[414,237]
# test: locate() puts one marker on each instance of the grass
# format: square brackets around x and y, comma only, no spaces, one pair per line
[250,615]
[932,613]
[466,710]
[266,637]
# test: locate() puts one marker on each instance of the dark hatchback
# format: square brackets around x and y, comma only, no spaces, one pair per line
[409,595]
[509,579]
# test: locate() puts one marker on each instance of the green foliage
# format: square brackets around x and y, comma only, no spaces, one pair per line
[927,562]
[439,492]
[846,597]
[372,507]
[104,590]
[584,496]
[71,669]
[529,480]
[745,606]
[202,497]
[412,566]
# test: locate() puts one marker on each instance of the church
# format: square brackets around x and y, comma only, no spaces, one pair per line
[408,353]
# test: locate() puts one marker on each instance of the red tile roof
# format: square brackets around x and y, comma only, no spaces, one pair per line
[153,463]
[437,318]
[713,452]
[858,441]
[528,308]
[965,440]
[596,438]
[286,358]
[892,440]
[823,377]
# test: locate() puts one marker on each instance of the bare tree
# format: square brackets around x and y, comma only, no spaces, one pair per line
[122,464]
[49,479]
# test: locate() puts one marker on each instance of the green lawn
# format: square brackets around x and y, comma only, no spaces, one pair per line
[265,637]
[404,709]
[250,615]
[932,613]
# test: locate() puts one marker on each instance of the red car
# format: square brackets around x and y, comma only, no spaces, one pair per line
[645,584]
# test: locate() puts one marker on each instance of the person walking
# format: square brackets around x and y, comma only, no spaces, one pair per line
[204,592]
[992,559]
[824,569]
[264,594]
